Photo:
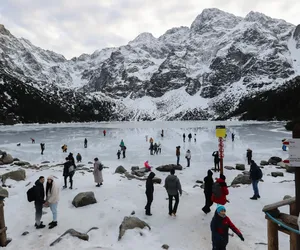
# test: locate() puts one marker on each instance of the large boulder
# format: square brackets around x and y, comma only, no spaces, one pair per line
[169,167]
[120,170]
[240,167]
[84,199]
[156,180]
[276,174]
[131,222]
[241,179]
[3,193]
[290,169]
[6,159]
[274,160]
[229,168]
[18,175]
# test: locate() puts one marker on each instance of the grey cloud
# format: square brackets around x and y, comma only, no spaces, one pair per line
[72,27]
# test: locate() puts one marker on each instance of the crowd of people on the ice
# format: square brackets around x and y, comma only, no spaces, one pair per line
[214,191]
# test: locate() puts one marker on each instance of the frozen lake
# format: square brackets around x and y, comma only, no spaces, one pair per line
[118,197]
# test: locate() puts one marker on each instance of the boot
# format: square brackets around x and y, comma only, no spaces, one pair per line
[54,224]
[253,198]
[40,226]
[98,185]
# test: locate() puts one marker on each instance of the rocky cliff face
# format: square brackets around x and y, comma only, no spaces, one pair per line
[196,72]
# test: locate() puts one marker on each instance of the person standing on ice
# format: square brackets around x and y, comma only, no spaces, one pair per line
[183,136]
[249,155]
[122,144]
[85,143]
[219,226]
[42,148]
[162,133]
[158,147]
[104,132]
[190,137]
[195,139]
[216,160]
[146,136]
[232,136]
[32,140]
[98,167]
[52,198]
[188,157]
[208,183]
[124,152]
[71,158]
[151,148]
[78,157]
[255,176]
[39,200]
[178,154]
[173,187]
[149,193]
[220,191]
[155,148]
[119,154]
[68,171]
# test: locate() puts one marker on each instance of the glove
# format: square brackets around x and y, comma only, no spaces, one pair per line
[241,237]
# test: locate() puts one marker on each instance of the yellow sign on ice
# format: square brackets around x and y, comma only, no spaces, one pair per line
[220,131]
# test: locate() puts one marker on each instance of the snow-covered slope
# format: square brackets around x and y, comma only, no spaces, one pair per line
[219,56]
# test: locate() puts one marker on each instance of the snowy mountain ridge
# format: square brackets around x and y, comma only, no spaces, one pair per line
[187,73]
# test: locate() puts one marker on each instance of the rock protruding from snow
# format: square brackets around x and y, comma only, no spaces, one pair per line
[3,193]
[156,180]
[84,199]
[240,167]
[131,222]
[120,170]
[18,175]
[264,163]
[6,158]
[241,179]
[21,163]
[169,167]
[276,174]
[274,160]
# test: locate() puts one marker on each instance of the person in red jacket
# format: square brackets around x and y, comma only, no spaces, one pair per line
[220,191]
[104,132]
[219,226]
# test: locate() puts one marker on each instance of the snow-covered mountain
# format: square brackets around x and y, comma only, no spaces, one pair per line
[196,72]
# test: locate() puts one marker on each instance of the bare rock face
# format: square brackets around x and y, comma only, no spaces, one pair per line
[84,199]
[169,167]
[130,222]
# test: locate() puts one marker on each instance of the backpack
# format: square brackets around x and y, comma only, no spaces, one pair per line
[259,173]
[217,190]
[100,166]
[31,194]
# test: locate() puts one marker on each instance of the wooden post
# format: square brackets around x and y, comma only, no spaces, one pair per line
[3,239]
[293,236]
[272,236]
[296,135]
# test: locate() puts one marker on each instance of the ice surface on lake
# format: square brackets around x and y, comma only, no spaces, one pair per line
[119,196]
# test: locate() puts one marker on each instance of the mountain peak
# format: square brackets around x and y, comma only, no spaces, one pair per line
[144,37]
[4,31]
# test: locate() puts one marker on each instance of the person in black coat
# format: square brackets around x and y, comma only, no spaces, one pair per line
[216,160]
[42,148]
[255,176]
[249,155]
[149,193]
[85,143]
[208,183]
[68,171]
[39,200]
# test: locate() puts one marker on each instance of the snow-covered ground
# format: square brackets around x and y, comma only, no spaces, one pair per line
[118,197]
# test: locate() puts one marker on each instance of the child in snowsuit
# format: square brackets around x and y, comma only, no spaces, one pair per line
[78,157]
[219,229]
[147,166]
[220,191]
[119,153]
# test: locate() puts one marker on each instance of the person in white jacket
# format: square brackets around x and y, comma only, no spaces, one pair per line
[52,198]
[188,157]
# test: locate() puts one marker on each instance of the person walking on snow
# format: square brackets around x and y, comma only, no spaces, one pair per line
[78,157]
[159,148]
[219,226]
[146,136]
[151,148]
[32,140]
[104,132]
[220,191]
[155,148]
[173,187]
[255,176]
[98,167]
[124,152]
[42,148]
[183,136]
[52,198]
[249,155]
[85,143]
[122,144]
[178,154]
[188,157]
[208,183]
[39,201]
[119,154]
[190,137]
[195,139]
[216,160]
[162,133]
[149,193]
[232,136]
[68,171]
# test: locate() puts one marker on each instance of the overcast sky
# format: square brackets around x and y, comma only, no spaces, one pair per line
[73,27]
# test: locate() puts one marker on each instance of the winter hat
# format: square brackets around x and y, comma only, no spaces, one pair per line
[51,177]
[220,208]
[209,173]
